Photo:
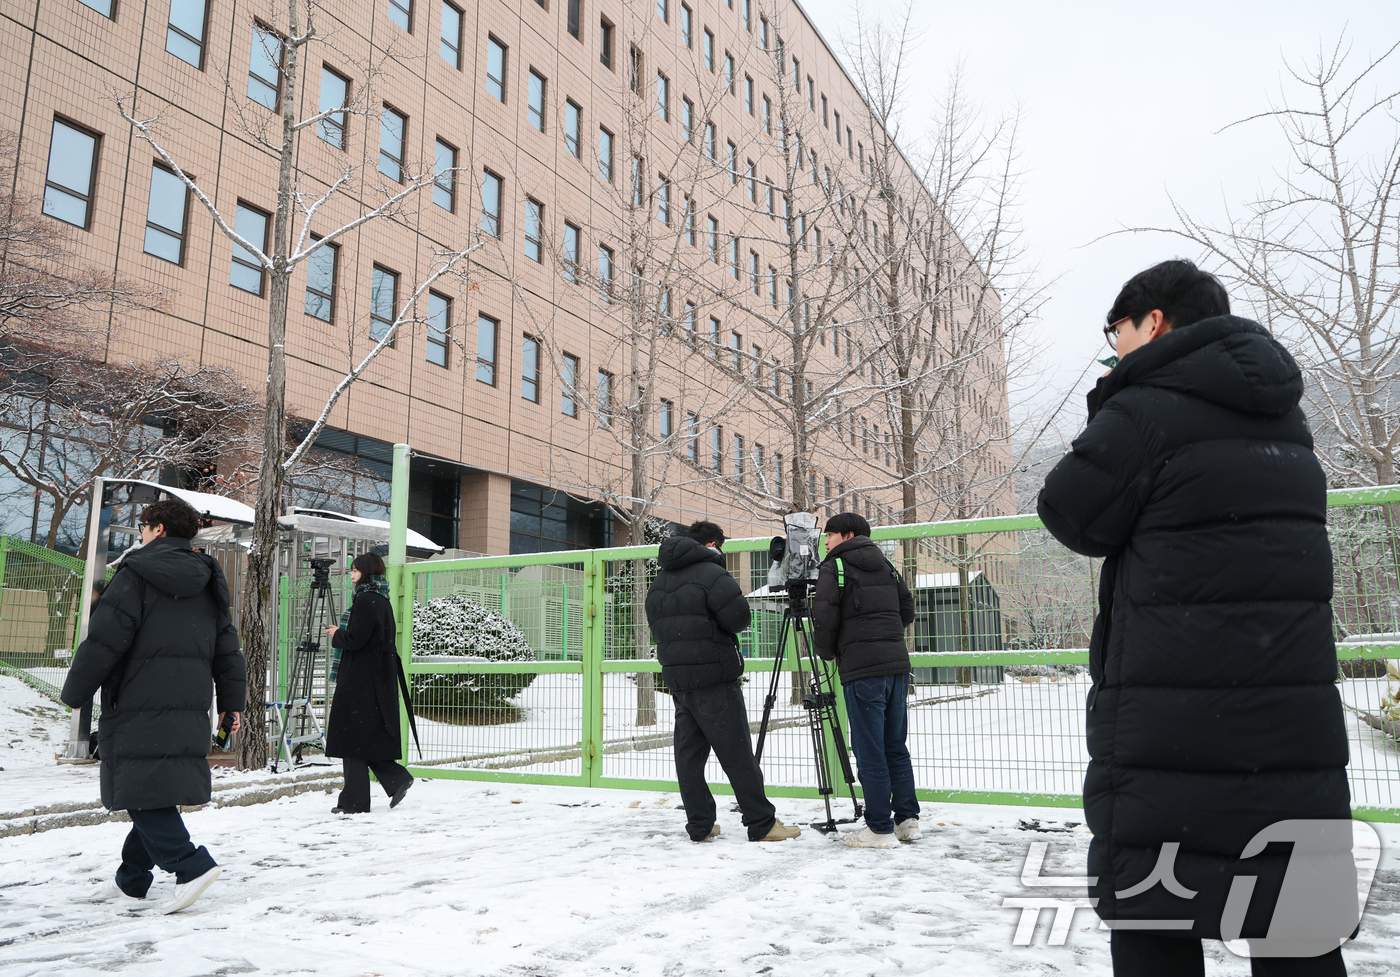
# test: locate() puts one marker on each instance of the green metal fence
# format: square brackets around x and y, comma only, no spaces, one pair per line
[40,599]
[1004,615]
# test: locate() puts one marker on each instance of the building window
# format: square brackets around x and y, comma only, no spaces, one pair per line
[392,129]
[739,458]
[733,163]
[383,301]
[605,155]
[335,92]
[605,405]
[536,110]
[495,69]
[542,519]
[823,111]
[573,18]
[748,94]
[663,97]
[568,388]
[772,286]
[450,41]
[811,94]
[637,188]
[753,272]
[836,117]
[797,76]
[486,350]
[712,232]
[752,177]
[635,60]
[690,323]
[401,13]
[747,12]
[663,201]
[605,273]
[571,253]
[663,10]
[573,127]
[444,176]
[717,449]
[690,221]
[709,50]
[247,269]
[692,438]
[736,343]
[534,229]
[439,321]
[729,71]
[711,144]
[734,257]
[165,216]
[320,282]
[72,166]
[605,45]
[763,33]
[265,67]
[490,203]
[184,34]
[530,369]
[687,118]
[103,7]
[687,34]
[667,418]
[767,115]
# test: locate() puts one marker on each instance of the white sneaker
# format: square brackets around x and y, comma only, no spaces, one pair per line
[908,830]
[109,891]
[865,838]
[186,893]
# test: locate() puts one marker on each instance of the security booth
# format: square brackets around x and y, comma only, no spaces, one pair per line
[952,616]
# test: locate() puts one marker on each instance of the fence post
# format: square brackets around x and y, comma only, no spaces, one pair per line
[4,552]
[593,650]
[400,582]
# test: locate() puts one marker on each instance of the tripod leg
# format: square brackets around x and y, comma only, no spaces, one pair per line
[772,698]
[824,692]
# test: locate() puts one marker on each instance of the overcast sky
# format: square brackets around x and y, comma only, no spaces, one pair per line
[1122,105]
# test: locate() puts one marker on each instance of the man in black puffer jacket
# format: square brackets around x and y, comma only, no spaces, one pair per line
[696,610]
[859,612]
[158,642]
[1213,712]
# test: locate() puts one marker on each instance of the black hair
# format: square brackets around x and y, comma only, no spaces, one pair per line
[176,515]
[1183,292]
[705,533]
[99,587]
[369,565]
[848,522]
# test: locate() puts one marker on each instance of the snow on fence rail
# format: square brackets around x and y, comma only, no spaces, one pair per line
[1004,615]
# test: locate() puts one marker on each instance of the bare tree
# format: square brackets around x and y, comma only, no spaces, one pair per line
[311,183]
[64,419]
[1317,259]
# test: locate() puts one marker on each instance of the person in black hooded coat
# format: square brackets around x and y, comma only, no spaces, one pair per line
[696,611]
[1213,712]
[160,640]
[363,726]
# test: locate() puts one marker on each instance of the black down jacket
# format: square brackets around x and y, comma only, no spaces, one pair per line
[1213,712]
[862,626]
[159,643]
[364,719]
[695,609]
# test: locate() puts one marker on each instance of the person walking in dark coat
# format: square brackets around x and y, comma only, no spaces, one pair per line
[1213,712]
[158,641]
[859,612]
[696,610]
[363,727]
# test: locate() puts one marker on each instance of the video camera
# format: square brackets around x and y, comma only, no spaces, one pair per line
[794,557]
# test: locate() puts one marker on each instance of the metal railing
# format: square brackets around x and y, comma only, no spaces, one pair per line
[567,691]
[40,600]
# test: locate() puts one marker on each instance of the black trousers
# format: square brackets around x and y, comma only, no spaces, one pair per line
[1137,954]
[716,718]
[354,799]
[159,837]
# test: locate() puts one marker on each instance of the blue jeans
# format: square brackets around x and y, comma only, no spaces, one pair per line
[878,712]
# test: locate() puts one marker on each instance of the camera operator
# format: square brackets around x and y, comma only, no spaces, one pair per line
[1213,712]
[859,613]
[696,610]
[161,632]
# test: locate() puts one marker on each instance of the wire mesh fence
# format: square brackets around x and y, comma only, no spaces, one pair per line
[1003,619]
[40,600]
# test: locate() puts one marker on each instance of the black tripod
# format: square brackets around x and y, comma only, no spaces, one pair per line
[819,701]
[298,723]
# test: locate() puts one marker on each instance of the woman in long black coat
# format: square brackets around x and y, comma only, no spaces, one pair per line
[363,728]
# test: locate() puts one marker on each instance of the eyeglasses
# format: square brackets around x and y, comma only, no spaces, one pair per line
[1110,332]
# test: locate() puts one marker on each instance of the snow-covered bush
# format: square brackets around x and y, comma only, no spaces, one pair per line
[456,625]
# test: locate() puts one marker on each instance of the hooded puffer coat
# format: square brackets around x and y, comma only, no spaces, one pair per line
[862,625]
[159,642]
[1213,712]
[695,609]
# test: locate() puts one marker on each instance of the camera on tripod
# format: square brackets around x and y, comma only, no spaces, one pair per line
[320,569]
[793,557]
